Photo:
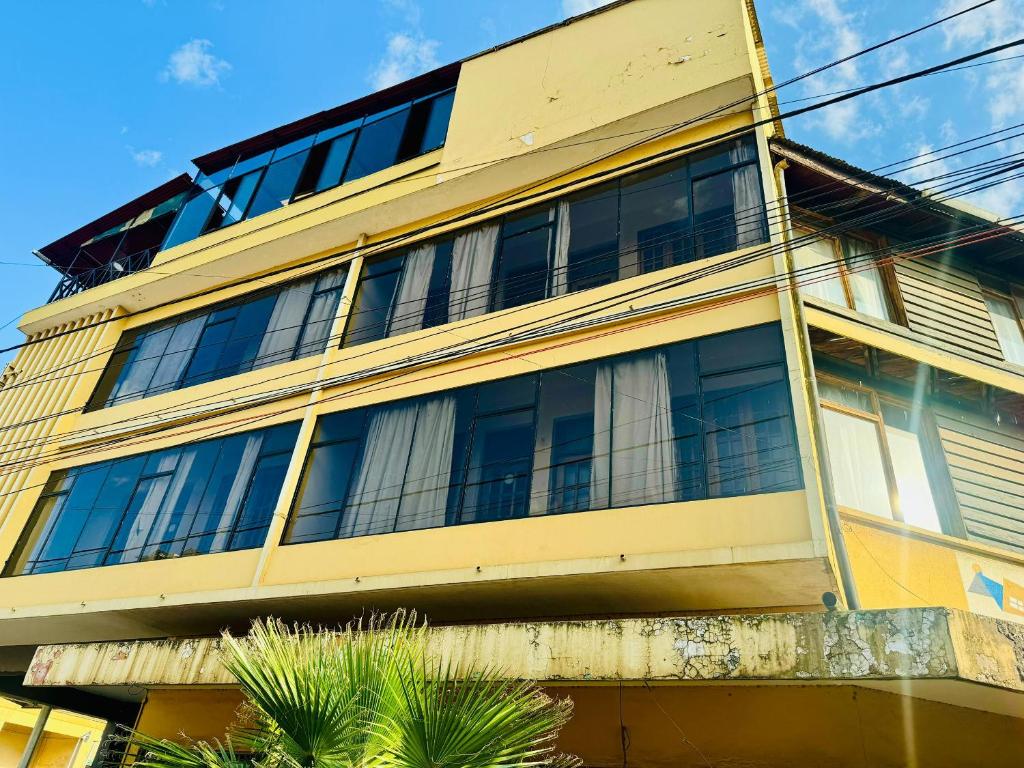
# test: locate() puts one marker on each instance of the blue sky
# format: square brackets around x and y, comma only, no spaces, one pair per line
[102,101]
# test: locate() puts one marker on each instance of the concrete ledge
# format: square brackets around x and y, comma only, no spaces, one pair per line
[908,644]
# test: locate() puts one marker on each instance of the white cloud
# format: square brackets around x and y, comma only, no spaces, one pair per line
[193,64]
[832,32]
[576,7]
[407,54]
[146,158]
[1000,88]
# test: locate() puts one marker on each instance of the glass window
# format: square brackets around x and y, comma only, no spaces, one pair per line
[564,441]
[192,218]
[268,327]
[639,223]
[643,428]
[523,258]
[819,261]
[1008,327]
[212,496]
[372,307]
[917,505]
[498,476]
[655,219]
[593,227]
[233,201]
[749,444]
[435,130]
[377,145]
[867,287]
[278,184]
[877,456]
[855,458]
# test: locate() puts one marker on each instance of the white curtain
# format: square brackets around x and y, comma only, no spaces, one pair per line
[560,264]
[177,355]
[179,483]
[146,516]
[410,445]
[865,279]
[285,324]
[425,495]
[855,457]
[236,495]
[322,313]
[634,453]
[139,369]
[411,305]
[746,197]
[472,266]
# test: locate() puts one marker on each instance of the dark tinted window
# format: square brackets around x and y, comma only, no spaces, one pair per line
[373,304]
[212,496]
[377,145]
[524,255]
[655,218]
[269,327]
[278,184]
[648,427]
[593,257]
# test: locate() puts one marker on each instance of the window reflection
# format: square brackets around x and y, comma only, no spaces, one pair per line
[639,223]
[212,496]
[675,423]
[267,328]
[267,181]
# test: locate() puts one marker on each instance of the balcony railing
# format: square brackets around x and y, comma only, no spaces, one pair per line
[69,285]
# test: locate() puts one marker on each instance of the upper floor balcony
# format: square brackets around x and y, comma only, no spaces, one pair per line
[258,175]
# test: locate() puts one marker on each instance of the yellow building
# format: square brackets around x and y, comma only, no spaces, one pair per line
[566,346]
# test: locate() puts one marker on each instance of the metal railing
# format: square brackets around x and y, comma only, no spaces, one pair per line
[69,285]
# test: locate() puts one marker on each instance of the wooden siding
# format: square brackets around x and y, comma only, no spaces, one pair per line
[945,304]
[986,465]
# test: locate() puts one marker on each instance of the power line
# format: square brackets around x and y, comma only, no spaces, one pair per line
[327,383]
[771,282]
[672,152]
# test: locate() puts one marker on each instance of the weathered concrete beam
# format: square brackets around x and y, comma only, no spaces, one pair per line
[909,644]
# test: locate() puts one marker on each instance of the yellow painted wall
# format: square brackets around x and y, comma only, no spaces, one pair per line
[64,731]
[700,725]
[896,565]
[608,73]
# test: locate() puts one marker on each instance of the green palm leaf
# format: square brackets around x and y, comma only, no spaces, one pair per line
[370,696]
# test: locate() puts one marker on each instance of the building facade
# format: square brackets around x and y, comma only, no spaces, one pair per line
[566,346]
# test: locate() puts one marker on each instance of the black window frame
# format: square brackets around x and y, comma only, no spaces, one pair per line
[276,441]
[458,476]
[715,157]
[123,355]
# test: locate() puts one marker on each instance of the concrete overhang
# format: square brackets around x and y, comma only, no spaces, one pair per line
[937,654]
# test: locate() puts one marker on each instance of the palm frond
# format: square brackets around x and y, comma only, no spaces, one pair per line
[163,753]
[471,718]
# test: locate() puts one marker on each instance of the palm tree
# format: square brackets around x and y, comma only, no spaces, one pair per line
[368,696]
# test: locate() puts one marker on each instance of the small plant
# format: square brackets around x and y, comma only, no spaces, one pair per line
[369,695]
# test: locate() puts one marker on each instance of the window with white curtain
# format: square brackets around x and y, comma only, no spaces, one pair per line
[1005,311]
[211,496]
[878,455]
[842,270]
[699,419]
[264,328]
[707,203]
